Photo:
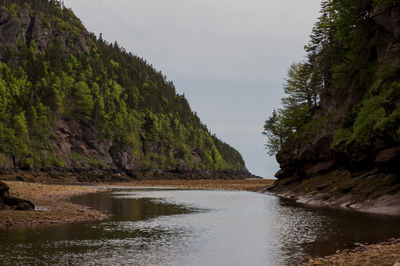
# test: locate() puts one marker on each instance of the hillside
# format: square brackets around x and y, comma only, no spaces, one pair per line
[337,136]
[71,101]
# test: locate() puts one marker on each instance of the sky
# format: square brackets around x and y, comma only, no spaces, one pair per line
[228,57]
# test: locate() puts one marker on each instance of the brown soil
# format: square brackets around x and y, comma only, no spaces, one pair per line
[51,205]
[387,253]
[207,184]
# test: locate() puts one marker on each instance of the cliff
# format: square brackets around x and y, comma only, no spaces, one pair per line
[348,154]
[71,102]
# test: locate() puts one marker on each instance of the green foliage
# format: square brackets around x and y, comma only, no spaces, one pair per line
[370,113]
[95,163]
[342,60]
[83,101]
[119,96]
[301,89]
[363,122]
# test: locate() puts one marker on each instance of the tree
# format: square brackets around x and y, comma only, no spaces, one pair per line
[301,87]
[276,131]
[83,101]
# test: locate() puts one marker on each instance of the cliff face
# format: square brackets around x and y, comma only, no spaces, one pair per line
[70,101]
[324,171]
[20,29]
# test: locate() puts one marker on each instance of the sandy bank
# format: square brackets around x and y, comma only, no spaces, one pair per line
[51,205]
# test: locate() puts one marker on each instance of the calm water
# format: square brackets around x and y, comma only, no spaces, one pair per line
[183,227]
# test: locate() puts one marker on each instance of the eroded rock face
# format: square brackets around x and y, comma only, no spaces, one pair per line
[13,203]
[9,30]
[27,28]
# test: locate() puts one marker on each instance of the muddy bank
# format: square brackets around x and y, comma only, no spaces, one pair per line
[387,253]
[51,205]
[367,192]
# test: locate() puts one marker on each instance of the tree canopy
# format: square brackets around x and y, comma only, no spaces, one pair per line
[341,61]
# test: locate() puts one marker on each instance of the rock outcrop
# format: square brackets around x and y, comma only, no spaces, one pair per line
[357,175]
[27,28]
[8,202]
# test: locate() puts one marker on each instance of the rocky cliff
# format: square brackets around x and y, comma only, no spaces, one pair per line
[19,29]
[72,102]
[352,160]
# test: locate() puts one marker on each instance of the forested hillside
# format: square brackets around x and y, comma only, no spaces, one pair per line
[69,99]
[338,131]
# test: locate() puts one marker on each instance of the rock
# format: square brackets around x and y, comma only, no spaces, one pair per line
[3,189]
[8,202]
[322,187]
[387,155]
[282,173]
[320,167]
[9,29]
[18,204]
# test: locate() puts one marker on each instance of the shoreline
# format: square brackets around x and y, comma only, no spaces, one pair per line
[384,253]
[252,185]
[53,205]
[369,193]
[319,201]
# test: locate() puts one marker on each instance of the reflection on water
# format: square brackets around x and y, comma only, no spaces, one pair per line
[182,227]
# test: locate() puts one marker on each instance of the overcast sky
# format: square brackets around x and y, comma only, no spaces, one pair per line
[228,57]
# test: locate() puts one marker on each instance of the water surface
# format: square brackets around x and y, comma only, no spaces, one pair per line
[186,227]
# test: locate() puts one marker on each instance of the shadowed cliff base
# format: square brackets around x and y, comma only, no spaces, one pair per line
[87,175]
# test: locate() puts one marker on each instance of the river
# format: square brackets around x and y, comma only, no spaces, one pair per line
[193,227]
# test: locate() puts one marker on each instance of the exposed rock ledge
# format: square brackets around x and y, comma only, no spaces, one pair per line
[368,192]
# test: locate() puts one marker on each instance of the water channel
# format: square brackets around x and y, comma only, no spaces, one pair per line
[191,227]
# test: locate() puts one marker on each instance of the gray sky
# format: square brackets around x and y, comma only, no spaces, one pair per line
[228,57]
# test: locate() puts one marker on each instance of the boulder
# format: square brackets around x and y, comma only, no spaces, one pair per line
[8,202]
[3,189]
[18,204]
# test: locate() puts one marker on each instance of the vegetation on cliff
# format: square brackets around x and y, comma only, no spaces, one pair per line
[343,101]
[71,99]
